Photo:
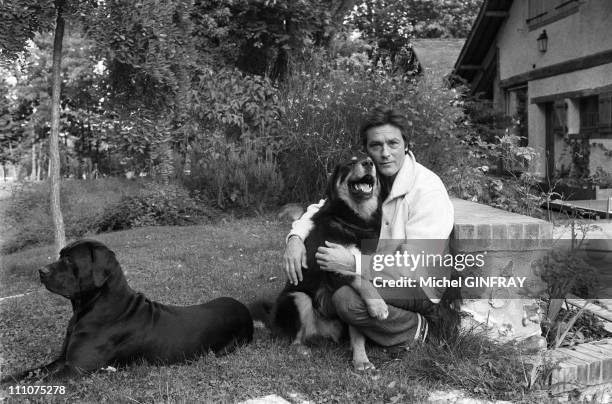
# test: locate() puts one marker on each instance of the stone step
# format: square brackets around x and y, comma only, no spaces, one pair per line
[582,365]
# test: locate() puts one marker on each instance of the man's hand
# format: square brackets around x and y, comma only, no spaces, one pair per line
[295,259]
[335,258]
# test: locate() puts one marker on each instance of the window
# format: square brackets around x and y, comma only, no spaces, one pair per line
[605,113]
[537,9]
[589,114]
[542,12]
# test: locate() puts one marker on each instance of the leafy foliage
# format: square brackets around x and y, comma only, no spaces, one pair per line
[84,203]
[202,90]
[154,205]
[389,25]
[146,48]
[100,205]
[21,20]
[567,272]
[236,175]
[326,101]
[391,22]
[27,115]
[239,104]
[576,327]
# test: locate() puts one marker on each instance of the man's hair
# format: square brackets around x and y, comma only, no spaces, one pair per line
[380,116]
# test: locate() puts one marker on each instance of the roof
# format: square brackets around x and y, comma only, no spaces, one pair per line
[437,56]
[472,64]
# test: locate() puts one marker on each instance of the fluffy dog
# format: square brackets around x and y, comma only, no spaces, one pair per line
[350,214]
[112,324]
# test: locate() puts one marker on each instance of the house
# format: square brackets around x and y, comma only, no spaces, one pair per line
[549,64]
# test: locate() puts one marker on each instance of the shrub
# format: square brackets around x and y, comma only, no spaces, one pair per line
[83,203]
[602,178]
[473,362]
[237,174]
[326,99]
[231,131]
[155,205]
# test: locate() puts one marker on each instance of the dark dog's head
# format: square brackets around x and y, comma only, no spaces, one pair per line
[83,267]
[355,183]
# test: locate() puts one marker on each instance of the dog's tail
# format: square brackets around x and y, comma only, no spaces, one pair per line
[282,317]
[261,310]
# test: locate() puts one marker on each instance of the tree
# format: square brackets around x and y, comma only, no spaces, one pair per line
[390,24]
[8,137]
[22,19]
[159,53]
[262,37]
[54,159]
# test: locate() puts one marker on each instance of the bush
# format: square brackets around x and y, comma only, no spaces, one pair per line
[237,175]
[95,206]
[83,203]
[155,205]
[326,99]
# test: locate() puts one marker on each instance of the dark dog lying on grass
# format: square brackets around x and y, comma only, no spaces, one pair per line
[112,324]
[350,215]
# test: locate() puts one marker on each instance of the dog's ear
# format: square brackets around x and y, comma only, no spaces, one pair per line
[80,256]
[104,263]
[330,192]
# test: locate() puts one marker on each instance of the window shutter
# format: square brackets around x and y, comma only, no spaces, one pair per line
[605,112]
[535,8]
[560,121]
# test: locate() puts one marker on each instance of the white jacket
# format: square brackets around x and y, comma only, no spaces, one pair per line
[417,208]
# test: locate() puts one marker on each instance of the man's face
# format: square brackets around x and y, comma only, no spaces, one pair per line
[385,146]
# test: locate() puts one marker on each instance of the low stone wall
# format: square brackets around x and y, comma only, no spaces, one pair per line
[512,244]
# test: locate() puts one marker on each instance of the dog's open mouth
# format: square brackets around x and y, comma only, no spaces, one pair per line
[363,186]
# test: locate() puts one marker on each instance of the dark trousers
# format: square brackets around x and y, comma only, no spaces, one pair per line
[404,323]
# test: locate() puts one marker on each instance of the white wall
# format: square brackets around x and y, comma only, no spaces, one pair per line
[594,77]
[583,33]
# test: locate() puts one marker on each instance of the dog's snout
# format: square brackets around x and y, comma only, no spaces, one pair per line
[367,163]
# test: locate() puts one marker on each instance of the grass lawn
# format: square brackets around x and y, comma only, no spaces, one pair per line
[238,258]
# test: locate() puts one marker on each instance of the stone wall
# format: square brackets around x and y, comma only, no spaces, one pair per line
[512,244]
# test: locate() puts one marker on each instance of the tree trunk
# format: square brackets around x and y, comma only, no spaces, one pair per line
[163,152]
[33,168]
[54,157]
[39,163]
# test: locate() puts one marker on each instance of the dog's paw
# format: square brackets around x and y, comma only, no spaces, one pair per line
[363,366]
[377,308]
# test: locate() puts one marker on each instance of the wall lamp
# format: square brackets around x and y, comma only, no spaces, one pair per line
[543,42]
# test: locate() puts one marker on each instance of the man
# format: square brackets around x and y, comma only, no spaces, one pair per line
[415,206]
